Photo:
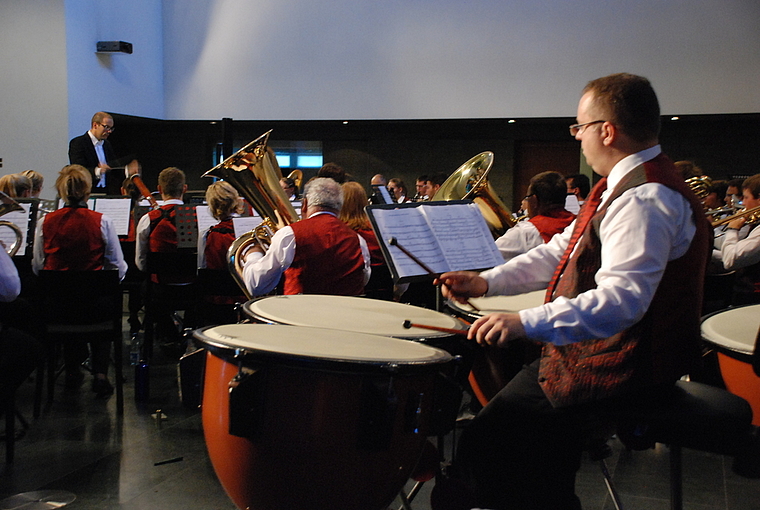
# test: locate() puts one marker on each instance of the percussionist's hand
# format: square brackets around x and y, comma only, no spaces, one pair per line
[497,329]
[460,285]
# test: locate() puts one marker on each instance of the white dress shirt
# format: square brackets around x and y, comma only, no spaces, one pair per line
[10,283]
[98,144]
[739,250]
[643,229]
[519,239]
[261,272]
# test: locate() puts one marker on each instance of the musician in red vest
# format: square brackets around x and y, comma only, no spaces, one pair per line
[317,255]
[75,238]
[545,203]
[621,321]
[156,231]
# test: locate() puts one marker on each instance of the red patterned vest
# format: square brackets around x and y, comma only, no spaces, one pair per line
[328,258]
[552,223]
[658,349]
[218,240]
[72,240]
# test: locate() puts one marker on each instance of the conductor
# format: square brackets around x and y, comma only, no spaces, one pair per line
[93,151]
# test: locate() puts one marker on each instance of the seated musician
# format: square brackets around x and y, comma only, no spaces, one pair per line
[740,250]
[75,238]
[16,185]
[545,203]
[317,255]
[156,231]
[37,180]
[20,351]
[622,320]
[380,285]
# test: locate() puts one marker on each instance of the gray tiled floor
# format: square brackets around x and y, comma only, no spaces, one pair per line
[79,445]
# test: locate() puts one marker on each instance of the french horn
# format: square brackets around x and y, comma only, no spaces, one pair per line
[253,171]
[470,181]
[7,204]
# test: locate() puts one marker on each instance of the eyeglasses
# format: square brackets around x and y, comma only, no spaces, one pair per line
[107,128]
[578,128]
[527,197]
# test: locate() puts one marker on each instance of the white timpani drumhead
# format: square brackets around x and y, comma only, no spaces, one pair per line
[319,344]
[515,303]
[734,329]
[356,314]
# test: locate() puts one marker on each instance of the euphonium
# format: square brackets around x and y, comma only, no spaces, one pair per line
[700,185]
[253,171]
[7,204]
[470,181]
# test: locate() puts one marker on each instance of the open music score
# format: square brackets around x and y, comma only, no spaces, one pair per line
[446,236]
[26,222]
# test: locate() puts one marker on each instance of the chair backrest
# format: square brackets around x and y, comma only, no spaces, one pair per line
[79,297]
[218,282]
[181,263]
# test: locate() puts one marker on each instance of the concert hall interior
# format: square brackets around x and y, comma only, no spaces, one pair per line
[394,89]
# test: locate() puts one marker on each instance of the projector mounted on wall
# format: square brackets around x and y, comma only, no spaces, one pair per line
[114,47]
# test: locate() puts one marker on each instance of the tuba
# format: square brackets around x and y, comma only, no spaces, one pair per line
[7,204]
[253,171]
[470,181]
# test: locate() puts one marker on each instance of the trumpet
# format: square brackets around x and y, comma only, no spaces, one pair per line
[751,215]
[7,204]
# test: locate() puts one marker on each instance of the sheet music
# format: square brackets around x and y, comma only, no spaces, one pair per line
[244,224]
[572,204]
[21,220]
[205,220]
[118,209]
[446,237]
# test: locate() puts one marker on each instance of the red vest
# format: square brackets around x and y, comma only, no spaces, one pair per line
[218,240]
[72,240]
[163,230]
[328,258]
[552,223]
[658,349]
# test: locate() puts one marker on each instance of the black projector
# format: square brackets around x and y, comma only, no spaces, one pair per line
[114,47]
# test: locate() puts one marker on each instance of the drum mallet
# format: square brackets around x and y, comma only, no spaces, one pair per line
[409,324]
[394,242]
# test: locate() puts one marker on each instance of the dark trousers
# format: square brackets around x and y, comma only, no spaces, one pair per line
[522,453]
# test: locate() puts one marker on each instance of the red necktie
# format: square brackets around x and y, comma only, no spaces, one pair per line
[584,216]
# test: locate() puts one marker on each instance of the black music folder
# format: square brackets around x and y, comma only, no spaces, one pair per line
[444,236]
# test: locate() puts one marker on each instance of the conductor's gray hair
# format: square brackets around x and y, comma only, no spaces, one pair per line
[325,193]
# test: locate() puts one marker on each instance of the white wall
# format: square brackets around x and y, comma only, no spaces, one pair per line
[299,59]
[129,84]
[33,124]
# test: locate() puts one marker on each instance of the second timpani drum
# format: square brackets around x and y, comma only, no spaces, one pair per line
[493,367]
[309,418]
[733,333]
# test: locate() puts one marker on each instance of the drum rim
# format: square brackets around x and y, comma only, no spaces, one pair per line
[432,335]
[228,352]
[745,354]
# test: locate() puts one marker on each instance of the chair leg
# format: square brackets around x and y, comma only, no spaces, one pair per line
[10,429]
[610,485]
[676,480]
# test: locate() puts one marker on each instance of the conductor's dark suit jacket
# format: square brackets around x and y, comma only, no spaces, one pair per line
[82,152]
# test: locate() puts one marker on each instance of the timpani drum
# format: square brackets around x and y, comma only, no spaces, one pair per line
[354,314]
[310,418]
[734,333]
[493,367]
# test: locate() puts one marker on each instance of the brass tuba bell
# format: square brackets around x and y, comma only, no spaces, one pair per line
[470,181]
[253,171]
[7,204]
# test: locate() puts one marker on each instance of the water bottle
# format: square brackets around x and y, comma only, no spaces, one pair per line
[134,353]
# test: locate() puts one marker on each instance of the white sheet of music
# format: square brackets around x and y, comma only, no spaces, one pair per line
[244,224]
[118,209]
[205,220]
[450,237]
[21,220]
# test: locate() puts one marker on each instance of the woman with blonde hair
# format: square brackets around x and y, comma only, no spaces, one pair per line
[37,179]
[224,203]
[16,185]
[380,285]
[75,238]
